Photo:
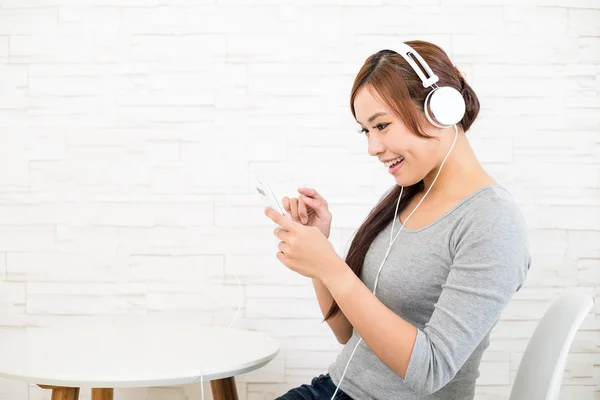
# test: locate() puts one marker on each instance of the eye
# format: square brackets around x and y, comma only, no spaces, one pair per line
[380,127]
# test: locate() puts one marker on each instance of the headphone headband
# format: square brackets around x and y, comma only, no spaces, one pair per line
[406,51]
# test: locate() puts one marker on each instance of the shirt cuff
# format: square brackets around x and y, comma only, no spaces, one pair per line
[416,373]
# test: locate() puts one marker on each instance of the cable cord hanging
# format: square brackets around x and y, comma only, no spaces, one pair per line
[392,241]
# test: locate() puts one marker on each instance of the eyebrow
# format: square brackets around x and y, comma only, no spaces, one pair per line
[372,118]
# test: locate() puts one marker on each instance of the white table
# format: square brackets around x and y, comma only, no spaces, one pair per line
[134,355]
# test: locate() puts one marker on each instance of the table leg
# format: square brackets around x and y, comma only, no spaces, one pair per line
[224,389]
[62,393]
[103,394]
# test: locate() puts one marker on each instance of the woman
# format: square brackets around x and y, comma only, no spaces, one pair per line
[416,328]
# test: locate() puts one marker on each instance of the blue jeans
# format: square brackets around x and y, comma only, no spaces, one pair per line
[321,388]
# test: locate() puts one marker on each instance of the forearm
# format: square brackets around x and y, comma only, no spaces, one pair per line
[390,337]
[339,324]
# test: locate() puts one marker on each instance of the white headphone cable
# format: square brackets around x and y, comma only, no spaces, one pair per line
[392,241]
[224,334]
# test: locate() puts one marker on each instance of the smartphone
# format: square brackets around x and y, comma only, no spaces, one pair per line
[268,197]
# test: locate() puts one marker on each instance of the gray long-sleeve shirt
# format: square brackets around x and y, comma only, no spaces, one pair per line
[451,279]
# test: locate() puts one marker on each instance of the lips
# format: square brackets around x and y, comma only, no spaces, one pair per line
[390,163]
[395,167]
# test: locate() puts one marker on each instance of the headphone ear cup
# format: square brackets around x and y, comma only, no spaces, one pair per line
[447,106]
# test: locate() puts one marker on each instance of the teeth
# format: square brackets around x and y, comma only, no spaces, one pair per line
[390,163]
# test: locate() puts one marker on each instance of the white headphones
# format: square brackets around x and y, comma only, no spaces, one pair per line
[448,108]
[447,104]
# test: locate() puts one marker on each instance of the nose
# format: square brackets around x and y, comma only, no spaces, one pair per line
[375,146]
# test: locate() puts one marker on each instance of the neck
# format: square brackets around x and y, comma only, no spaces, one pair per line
[461,169]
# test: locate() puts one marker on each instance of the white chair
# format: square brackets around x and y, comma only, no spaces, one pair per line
[540,372]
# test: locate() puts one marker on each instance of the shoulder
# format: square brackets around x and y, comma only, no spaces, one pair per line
[493,207]
[493,221]
[493,235]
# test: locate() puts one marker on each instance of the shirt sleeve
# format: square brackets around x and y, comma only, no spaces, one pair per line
[490,263]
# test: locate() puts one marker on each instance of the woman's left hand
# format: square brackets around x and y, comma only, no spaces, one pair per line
[303,249]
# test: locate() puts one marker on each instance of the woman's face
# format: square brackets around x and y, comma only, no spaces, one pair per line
[389,139]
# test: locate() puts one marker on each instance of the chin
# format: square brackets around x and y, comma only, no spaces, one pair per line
[407,181]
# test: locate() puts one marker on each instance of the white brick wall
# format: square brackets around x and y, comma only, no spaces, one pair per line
[128,129]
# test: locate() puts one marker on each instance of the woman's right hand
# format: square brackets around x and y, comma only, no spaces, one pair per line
[310,209]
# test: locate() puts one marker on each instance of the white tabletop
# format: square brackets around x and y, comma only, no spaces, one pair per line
[136,355]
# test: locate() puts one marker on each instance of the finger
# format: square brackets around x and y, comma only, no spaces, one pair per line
[294,207]
[312,193]
[281,234]
[311,202]
[309,192]
[280,219]
[285,202]
[283,247]
[281,257]
[313,206]
[302,212]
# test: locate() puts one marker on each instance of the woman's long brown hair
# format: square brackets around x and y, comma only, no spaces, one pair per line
[394,80]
